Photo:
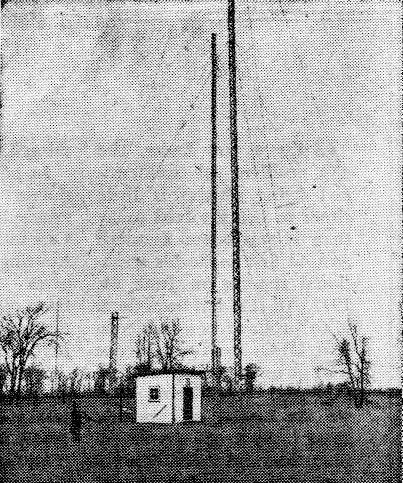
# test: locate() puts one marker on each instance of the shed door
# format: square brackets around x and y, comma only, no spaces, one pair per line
[187,403]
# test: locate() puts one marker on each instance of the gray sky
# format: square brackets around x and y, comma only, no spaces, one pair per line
[105,195]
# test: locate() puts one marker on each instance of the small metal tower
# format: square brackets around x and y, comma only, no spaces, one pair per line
[113,352]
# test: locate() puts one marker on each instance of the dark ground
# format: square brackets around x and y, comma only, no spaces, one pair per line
[276,437]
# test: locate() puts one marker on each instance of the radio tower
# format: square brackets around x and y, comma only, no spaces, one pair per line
[215,355]
[113,352]
[236,264]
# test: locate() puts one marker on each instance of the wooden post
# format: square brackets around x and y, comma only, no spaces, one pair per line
[55,382]
[121,402]
[173,398]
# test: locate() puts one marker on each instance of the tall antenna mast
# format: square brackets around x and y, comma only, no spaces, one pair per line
[236,264]
[113,352]
[214,348]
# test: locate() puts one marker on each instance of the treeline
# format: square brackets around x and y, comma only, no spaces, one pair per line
[77,383]
[37,382]
[21,334]
[158,347]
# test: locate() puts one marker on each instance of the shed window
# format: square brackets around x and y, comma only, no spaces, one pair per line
[154,394]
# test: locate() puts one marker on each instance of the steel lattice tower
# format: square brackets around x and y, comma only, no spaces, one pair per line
[236,264]
[214,348]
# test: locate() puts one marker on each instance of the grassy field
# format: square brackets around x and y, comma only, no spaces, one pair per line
[266,438]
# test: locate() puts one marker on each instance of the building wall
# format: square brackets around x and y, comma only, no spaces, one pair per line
[180,383]
[162,411]
[154,412]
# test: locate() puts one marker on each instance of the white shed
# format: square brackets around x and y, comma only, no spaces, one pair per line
[168,398]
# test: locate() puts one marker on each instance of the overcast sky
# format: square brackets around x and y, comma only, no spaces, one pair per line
[105,194]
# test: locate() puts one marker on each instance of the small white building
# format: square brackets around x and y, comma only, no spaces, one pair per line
[168,398]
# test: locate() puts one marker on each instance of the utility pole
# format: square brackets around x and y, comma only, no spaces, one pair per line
[56,371]
[120,402]
[236,265]
[113,352]
[214,348]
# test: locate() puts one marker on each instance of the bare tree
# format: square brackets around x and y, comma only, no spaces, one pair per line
[101,376]
[145,347]
[251,372]
[352,361]
[88,382]
[227,379]
[169,346]
[34,377]
[130,376]
[75,380]
[3,379]
[20,334]
[362,365]
[62,383]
